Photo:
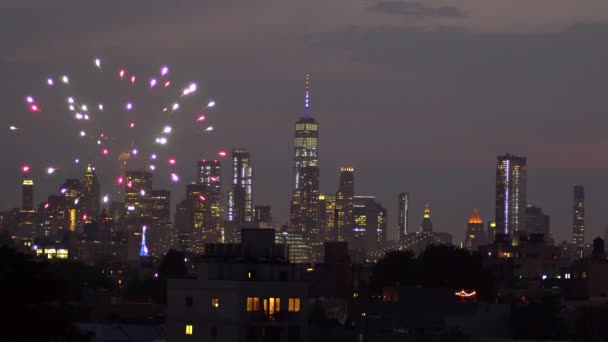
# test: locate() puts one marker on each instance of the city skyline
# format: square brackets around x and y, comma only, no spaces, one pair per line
[441,120]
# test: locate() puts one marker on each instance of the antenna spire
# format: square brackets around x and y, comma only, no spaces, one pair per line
[307,97]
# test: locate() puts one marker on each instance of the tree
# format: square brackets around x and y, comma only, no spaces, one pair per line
[396,268]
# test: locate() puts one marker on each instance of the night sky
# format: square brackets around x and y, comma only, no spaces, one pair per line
[417,96]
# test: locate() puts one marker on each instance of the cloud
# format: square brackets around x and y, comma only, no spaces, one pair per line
[415,9]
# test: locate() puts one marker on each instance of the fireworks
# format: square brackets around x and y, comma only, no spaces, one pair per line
[114,105]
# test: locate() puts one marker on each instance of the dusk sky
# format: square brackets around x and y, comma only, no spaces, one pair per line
[417,96]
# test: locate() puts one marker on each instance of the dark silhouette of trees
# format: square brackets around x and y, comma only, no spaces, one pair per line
[439,266]
[40,298]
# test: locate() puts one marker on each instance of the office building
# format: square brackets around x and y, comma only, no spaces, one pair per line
[345,204]
[240,195]
[27,194]
[404,200]
[578,218]
[510,194]
[160,230]
[327,217]
[537,222]
[262,214]
[427,225]
[475,236]
[369,224]
[304,212]
[138,185]
[90,193]
[209,175]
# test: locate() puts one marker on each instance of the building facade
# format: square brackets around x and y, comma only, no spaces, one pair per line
[475,235]
[510,194]
[404,200]
[240,196]
[578,218]
[345,205]
[243,292]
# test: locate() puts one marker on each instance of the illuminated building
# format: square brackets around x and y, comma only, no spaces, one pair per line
[240,196]
[27,194]
[160,232]
[298,249]
[578,217]
[244,292]
[262,214]
[510,193]
[51,252]
[27,215]
[138,185]
[427,225]
[209,176]
[344,205]
[327,217]
[475,235]
[491,235]
[90,192]
[195,195]
[369,231]
[304,211]
[404,200]
[71,191]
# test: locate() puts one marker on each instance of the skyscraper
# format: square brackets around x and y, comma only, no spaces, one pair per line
[304,212]
[369,223]
[475,235]
[90,192]
[160,232]
[578,218]
[427,225]
[404,199]
[510,194]
[240,196]
[138,185]
[262,214]
[345,204]
[27,194]
[537,222]
[209,177]
[327,217]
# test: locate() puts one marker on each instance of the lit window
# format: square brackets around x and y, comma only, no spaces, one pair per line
[253,304]
[215,302]
[293,305]
[188,329]
[250,275]
[584,275]
[272,305]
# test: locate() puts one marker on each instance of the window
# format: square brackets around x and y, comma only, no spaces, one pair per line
[272,305]
[253,304]
[213,331]
[188,329]
[215,303]
[189,302]
[250,275]
[293,305]
[283,276]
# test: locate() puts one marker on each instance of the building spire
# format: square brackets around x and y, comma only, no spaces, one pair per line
[307,97]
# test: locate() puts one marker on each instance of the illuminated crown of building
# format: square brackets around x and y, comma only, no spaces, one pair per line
[427,211]
[475,218]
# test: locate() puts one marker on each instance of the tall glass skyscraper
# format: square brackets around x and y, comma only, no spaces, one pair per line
[304,213]
[404,200]
[209,176]
[510,194]
[240,196]
[345,204]
[578,218]
[27,194]
[90,192]
[138,185]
